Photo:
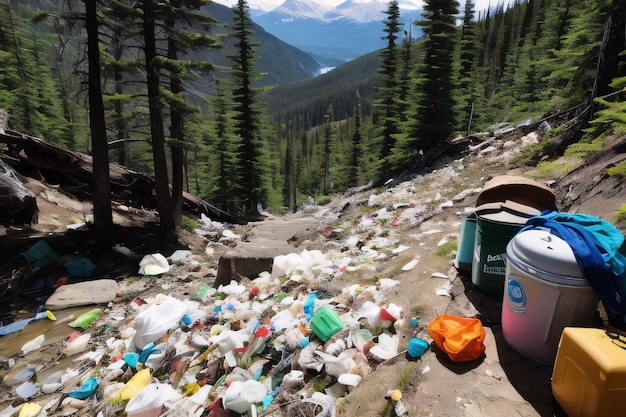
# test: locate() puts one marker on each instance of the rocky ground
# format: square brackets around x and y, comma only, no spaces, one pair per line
[406,235]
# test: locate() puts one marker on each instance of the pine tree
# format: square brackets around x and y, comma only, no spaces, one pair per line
[178,17]
[246,114]
[327,142]
[388,94]
[226,173]
[356,151]
[467,57]
[27,91]
[434,119]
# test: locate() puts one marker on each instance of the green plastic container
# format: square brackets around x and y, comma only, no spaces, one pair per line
[325,323]
[494,230]
[467,237]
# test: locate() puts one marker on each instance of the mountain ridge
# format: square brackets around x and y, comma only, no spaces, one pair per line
[332,35]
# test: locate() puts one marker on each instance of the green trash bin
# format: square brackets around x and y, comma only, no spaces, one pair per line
[496,225]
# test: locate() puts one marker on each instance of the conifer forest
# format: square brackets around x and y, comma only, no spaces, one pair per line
[129,83]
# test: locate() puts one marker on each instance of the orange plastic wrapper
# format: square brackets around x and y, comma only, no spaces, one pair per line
[461,338]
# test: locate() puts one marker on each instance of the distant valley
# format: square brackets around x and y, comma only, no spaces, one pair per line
[332,35]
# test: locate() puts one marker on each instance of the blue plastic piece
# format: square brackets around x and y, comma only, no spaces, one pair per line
[309,305]
[267,401]
[86,390]
[304,342]
[257,375]
[131,358]
[19,325]
[145,353]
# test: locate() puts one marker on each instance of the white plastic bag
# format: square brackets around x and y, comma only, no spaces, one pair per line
[149,402]
[152,323]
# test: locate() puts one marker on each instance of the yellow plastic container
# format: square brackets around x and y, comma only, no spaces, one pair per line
[589,375]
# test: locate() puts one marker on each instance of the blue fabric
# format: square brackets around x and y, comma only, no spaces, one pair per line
[595,244]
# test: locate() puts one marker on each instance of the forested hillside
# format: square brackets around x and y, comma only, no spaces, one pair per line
[239,146]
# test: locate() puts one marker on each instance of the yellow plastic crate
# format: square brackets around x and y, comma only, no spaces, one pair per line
[589,375]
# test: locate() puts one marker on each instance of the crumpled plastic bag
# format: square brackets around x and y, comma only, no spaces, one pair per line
[461,338]
[154,264]
[149,401]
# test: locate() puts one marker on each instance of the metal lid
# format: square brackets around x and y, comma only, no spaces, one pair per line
[543,254]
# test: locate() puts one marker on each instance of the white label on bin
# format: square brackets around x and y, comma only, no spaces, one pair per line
[516,296]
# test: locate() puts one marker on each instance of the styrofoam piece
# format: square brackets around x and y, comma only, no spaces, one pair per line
[352,380]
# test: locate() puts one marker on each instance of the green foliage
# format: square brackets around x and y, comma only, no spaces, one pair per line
[253,175]
[433,120]
[28,91]
[617,169]
[322,200]
[620,215]
[557,168]
[447,248]
[366,120]
[584,149]
[189,223]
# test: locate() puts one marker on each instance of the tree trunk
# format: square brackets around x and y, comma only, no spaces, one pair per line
[163,198]
[103,214]
[176,132]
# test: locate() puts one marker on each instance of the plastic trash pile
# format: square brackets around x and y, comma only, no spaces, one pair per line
[238,349]
[247,348]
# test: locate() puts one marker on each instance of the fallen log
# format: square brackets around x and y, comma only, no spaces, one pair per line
[73,172]
[18,204]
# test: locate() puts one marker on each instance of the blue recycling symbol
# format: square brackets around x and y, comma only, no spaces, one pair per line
[516,296]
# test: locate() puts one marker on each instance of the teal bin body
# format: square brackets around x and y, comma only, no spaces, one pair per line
[465,253]
[494,230]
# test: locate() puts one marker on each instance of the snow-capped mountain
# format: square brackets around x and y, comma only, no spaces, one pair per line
[261,6]
[332,31]
[303,9]
[332,35]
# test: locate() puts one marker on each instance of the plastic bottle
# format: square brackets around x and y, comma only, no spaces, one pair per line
[33,344]
[84,320]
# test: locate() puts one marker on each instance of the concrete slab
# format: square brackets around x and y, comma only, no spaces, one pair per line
[100,291]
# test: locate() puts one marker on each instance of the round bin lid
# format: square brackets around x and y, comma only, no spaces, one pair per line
[506,212]
[519,189]
[548,255]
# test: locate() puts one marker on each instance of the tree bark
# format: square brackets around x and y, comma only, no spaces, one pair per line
[102,212]
[163,197]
